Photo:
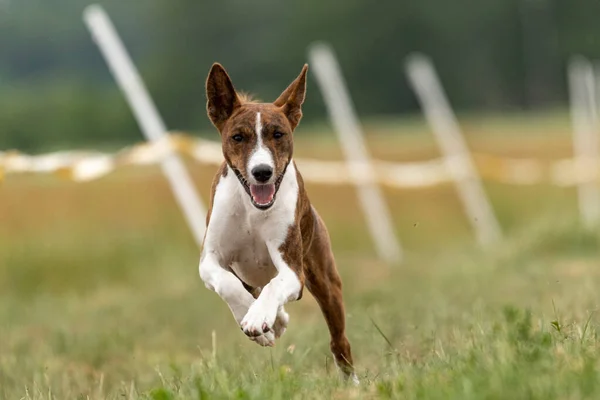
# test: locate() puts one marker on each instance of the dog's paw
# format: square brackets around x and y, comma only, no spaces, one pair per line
[258,320]
[353,379]
[265,340]
[281,323]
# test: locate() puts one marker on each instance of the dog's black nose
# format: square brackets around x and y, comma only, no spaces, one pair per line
[262,172]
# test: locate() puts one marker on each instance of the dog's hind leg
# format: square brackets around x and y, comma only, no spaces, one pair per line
[323,281]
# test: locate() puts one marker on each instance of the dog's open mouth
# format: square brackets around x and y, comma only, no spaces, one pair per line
[262,195]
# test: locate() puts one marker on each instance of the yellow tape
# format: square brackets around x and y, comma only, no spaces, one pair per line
[84,166]
[510,170]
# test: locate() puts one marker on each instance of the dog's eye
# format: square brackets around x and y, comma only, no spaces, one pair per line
[277,135]
[237,137]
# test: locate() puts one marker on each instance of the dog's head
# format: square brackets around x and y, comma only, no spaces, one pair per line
[257,137]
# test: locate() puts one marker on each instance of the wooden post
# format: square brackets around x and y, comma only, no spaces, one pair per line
[146,114]
[459,162]
[342,115]
[584,117]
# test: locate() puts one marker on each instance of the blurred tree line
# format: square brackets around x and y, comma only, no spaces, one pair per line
[55,89]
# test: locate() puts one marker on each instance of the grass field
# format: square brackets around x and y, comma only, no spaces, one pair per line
[100,296]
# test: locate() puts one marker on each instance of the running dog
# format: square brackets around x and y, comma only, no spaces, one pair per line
[265,241]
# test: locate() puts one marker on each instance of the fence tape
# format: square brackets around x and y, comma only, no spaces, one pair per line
[83,166]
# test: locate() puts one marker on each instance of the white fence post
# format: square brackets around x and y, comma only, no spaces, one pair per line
[147,116]
[584,117]
[439,115]
[345,122]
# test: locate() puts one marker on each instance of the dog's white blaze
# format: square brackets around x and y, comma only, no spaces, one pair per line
[261,153]
[246,240]
[258,127]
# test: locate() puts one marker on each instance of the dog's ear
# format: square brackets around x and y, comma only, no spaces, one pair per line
[222,100]
[292,98]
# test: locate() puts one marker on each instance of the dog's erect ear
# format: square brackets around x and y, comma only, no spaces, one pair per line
[292,98]
[222,99]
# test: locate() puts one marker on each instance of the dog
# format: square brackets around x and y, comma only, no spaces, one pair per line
[264,240]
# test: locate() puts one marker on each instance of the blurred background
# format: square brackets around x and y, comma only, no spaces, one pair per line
[99,287]
[500,55]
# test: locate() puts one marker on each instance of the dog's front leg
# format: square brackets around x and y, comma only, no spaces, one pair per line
[225,284]
[231,290]
[284,287]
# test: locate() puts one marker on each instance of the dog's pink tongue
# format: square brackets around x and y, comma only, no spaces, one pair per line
[262,194]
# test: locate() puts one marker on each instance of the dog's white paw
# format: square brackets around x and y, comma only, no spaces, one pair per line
[265,340]
[354,379]
[258,320]
[281,323]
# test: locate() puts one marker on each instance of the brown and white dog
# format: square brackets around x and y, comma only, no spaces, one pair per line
[264,240]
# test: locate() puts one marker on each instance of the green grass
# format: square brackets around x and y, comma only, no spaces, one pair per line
[517,322]
[100,297]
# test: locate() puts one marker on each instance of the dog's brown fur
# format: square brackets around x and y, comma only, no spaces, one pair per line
[307,248]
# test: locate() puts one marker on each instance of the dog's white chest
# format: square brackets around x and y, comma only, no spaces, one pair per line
[238,232]
[249,258]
